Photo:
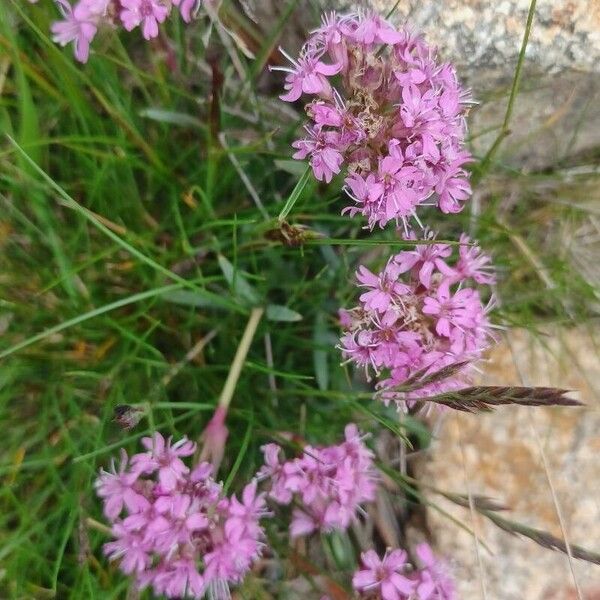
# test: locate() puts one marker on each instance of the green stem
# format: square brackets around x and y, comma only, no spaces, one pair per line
[505,130]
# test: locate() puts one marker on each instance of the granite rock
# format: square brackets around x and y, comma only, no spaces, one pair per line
[532,460]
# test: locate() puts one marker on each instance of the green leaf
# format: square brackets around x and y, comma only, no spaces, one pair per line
[277,312]
[293,167]
[239,285]
[195,299]
[320,363]
[293,198]
[418,429]
[171,117]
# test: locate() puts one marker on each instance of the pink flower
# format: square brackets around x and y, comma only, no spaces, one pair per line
[472,264]
[392,118]
[457,311]
[147,13]
[308,75]
[273,470]
[418,317]
[79,26]
[82,20]
[165,458]
[385,287]
[302,524]
[332,35]
[373,29]
[130,548]
[384,576]
[329,484]
[325,158]
[117,489]
[415,107]
[178,578]
[425,259]
[324,113]
[435,582]
[246,514]
[187,8]
[179,521]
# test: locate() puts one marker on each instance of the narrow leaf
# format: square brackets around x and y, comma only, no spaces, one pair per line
[293,198]
[196,299]
[291,166]
[277,312]
[320,337]
[171,117]
[238,283]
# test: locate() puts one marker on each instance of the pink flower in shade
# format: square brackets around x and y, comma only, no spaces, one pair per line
[384,576]
[117,488]
[393,578]
[246,514]
[164,457]
[187,8]
[180,535]
[130,548]
[434,580]
[393,118]
[82,20]
[418,317]
[329,484]
[147,13]
[179,578]
[325,158]
[77,26]
[273,470]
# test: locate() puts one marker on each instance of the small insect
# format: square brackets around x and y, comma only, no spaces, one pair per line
[127,416]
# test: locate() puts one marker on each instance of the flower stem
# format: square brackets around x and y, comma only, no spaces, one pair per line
[215,434]
[240,357]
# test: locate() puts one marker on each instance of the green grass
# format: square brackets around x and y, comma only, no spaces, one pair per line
[127,234]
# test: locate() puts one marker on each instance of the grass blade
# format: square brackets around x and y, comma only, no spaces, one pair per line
[89,315]
[293,198]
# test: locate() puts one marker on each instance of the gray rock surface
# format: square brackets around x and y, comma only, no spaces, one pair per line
[479,34]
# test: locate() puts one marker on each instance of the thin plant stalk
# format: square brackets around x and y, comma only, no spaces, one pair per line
[215,434]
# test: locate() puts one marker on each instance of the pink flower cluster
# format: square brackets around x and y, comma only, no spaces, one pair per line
[418,316]
[81,21]
[328,484]
[174,529]
[393,578]
[386,110]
